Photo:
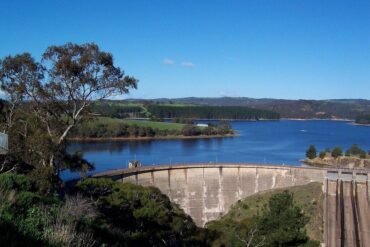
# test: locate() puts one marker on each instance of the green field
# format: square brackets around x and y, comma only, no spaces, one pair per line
[308,197]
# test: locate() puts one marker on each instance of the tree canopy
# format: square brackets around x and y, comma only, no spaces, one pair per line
[311,152]
[47,98]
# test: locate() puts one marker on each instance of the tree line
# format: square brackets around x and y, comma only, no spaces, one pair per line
[210,112]
[160,111]
[117,110]
[363,119]
[336,152]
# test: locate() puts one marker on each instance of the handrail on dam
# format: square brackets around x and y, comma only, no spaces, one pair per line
[162,167]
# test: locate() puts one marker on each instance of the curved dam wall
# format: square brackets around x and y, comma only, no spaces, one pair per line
[206,191]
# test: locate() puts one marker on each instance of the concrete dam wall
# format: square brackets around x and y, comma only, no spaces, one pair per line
[206,191]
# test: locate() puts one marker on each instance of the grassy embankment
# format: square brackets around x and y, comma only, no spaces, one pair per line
[308,197]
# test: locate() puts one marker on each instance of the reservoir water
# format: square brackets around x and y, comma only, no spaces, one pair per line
[273,142]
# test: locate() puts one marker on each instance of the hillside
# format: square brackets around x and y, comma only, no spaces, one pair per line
[308,197]
[323,109]
[157,110]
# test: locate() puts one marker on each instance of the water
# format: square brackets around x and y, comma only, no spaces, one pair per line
[275,142]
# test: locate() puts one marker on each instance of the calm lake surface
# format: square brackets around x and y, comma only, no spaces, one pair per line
[275,142]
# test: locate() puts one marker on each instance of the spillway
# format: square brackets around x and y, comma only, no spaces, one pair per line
[347,211]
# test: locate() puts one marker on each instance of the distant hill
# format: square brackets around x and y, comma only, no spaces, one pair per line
[179,111]
[322,109]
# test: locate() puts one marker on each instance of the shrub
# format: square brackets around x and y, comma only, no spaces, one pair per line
[191,130]
[322,154]
[336,152]
[12,181]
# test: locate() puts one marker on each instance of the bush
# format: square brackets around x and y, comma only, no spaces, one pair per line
[356,150]
[142,215]
[191,130]
[322,154]
[12,181]
[209,131]
[336,152]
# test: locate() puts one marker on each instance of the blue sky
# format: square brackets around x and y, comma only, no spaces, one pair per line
[311,49]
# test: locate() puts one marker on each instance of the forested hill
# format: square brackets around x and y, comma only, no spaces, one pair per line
[335,109]
[155,110]
[210,112]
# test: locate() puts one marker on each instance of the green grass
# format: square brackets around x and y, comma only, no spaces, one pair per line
[141,123]
[309,197]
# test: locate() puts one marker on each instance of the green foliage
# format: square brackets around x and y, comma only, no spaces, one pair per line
[12,181]
[282,222]
[191,130]
[13,237]
[270,215]
[46,99]
[103,127]
[355,150]
[336,152]
[322,154]
[141,215]
[116,215]
[325,109]
[118,109]
[21,209]
[363,119]
[210,112]
[311,152]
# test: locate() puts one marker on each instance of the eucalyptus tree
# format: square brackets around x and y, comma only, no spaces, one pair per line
[54,94]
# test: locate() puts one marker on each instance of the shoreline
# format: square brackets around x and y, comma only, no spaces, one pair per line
[357,124]
[179,137]
[319,119]
[261,119]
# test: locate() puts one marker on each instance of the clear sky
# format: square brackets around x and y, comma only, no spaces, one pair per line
[311,49]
